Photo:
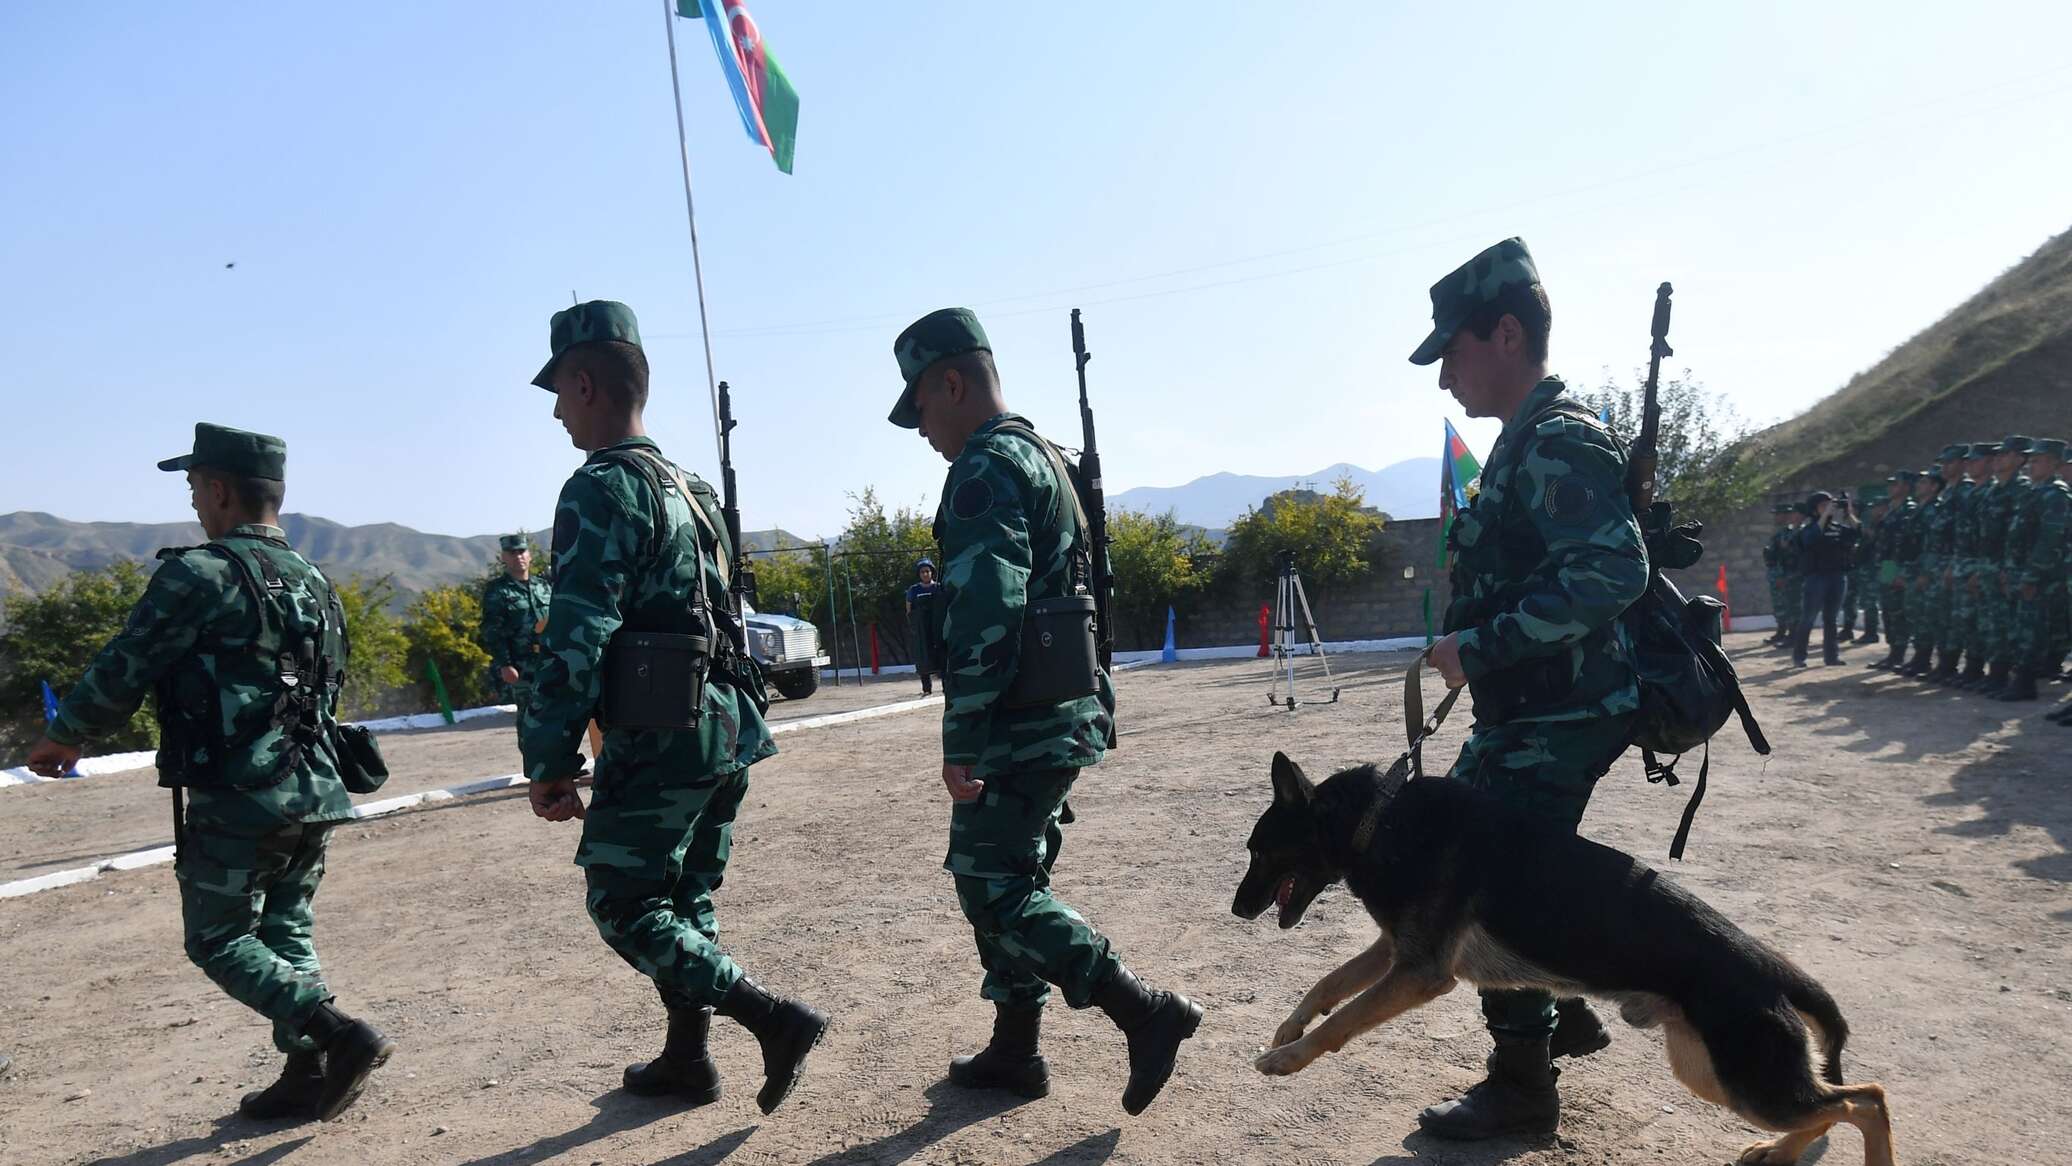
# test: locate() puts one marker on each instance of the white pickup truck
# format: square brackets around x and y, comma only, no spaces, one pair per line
[788,649]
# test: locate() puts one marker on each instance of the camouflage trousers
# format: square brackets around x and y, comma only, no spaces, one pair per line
[1549,769]
[1791,601]
[1002,848]
[1898,622]
[655,849]
[1862,599]
[1995,615]
[1927,603]
[2036,624]
[1776,582]
[1960,624]
[246,906]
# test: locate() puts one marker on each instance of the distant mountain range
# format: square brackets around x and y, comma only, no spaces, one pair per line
[37,550]
[1407,489]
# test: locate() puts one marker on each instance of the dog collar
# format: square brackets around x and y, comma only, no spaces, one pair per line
[1369,822]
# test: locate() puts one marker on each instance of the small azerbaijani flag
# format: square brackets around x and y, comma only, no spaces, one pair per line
[1457,470]
[769,105]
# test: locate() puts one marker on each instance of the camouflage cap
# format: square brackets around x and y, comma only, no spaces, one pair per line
[1981,449]
[513,542]
[1952,453]
[592,320]
[2016,443]
[940,333]
[234,451]
[2050,447]
[1905,477]
[1934,474]
[1471,285]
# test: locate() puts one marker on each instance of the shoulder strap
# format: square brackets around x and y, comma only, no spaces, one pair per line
[1027,432]
[654,468]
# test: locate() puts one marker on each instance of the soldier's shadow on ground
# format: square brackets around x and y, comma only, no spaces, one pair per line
[949,1109]
[2021,785]
[617,1112]
[1426,1149]
[211,1146]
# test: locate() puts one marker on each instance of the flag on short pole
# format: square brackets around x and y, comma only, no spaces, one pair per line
[768,104]
[1170,652]
[431,673]
[50,703]
[1458,469]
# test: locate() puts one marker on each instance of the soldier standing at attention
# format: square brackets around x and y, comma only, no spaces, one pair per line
[1967,601]
[1995,508]
[1791,563]
[243,642]
[514,608]
[2043,531]
[1773,569]
[924,620]
[1953,541]
[1928,601]
[1863,577]
[640,557]
[1014,739]
[1899,548]
[1546,558]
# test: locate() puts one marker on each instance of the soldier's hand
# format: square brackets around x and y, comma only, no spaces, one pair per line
[962,786]
[507,674]
[557,800]
[1446,658]
[47,758]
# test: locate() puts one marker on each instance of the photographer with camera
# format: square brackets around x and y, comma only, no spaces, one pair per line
[1826,546]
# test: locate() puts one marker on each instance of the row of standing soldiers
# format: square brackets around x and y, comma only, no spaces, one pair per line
[1966,561]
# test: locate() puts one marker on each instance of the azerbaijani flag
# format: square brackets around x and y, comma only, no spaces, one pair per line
[1457,468]
[769,105]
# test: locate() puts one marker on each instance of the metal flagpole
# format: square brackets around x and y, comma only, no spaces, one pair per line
[690,208]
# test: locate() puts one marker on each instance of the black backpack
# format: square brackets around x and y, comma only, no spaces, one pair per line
[1688,687]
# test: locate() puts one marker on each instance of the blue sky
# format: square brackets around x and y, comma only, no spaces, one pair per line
[1248,201]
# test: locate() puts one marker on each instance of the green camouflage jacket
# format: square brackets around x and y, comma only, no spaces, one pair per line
[1910,537]
[1007,535]
[1893,535]
[1992,514]
[510,612]
[195,605]
[1784,550]
[618,562]
[1546,558]
[2043,526]
[1945,514]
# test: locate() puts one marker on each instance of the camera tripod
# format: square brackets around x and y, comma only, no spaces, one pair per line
[1287,599]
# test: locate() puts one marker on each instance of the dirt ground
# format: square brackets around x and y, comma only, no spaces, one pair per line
[1908,846]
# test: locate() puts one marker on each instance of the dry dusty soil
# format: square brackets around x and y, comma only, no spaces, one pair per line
[1908,846]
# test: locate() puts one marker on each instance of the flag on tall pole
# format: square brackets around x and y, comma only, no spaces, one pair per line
[769,106]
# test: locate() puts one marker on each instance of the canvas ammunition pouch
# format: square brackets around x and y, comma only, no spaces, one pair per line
[244,710]
[654,678]
[360,765]
[1060,657]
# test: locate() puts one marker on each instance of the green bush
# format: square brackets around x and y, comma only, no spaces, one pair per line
[54,636]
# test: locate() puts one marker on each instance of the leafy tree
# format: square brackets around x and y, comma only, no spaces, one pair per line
[1336,537]
[54,636]
[439,628]
[374,667]
[791,583]
[876,557]
[1154,562]
[1702,464]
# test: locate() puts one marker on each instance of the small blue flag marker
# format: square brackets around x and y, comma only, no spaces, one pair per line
[1170,653]
[50,703]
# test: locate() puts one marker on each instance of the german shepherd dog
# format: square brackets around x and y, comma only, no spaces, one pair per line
[1466,888]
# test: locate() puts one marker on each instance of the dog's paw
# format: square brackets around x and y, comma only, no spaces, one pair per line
[1286,1060]
[1291,1029]
[1773,1153]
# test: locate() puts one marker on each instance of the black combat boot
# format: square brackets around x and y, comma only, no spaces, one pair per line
[684,1069]
[294,1095]
[786,1028]
[1974,674]
[1945,668]
[1846,635]
[1998,676]
[1921,664]
[1010,1060]
[1868,638]
[2021,685]
[352,1050]
[1577,1031]
[1154,1023]
[1518,1096]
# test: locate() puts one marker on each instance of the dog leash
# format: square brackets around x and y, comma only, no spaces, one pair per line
[1415,727]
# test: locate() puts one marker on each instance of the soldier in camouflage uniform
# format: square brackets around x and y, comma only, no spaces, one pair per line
[2040,558]
[1961,636]
[1954,540]
[1791,576]
[1864,590]
[514,612]
[1773,569]
[640,559]
[1899,552]
[1545,559]
[252,747]
[1994,509]
[1010,539]
[1929,600]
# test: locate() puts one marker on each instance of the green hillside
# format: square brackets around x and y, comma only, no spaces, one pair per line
[1998,363]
